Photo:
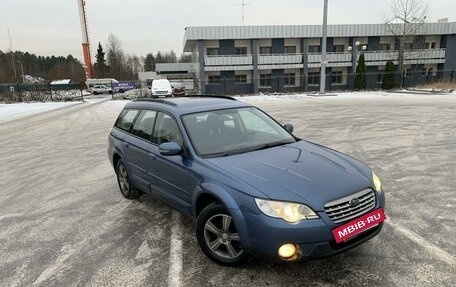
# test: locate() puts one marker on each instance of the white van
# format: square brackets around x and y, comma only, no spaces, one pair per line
[161,88]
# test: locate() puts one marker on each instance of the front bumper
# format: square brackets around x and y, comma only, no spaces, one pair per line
[262,235]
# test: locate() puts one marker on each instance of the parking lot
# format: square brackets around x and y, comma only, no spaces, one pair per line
[63,221]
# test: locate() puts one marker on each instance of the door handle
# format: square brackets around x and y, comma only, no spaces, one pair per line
[127,145]
[152,156]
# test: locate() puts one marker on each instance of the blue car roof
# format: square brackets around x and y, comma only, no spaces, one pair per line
[187,105]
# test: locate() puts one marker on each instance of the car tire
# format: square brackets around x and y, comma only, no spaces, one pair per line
[217,236]
[95,93]
[126,187]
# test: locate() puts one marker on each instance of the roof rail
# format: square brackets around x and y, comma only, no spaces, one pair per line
[208,96]
[162,101]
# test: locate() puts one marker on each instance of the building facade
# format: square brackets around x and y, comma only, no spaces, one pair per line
[252,59]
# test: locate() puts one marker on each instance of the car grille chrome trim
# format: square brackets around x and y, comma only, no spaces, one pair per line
[340,210]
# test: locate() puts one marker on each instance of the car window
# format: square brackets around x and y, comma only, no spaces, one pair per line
[231,131]
[125,119]
[144,124]
[166,130]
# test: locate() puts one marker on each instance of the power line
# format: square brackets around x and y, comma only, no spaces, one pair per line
[12,53]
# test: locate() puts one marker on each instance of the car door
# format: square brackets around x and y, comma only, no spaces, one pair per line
[137,146]
[169,174]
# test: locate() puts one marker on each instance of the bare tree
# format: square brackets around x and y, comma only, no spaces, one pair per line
[115,56]
[407,19]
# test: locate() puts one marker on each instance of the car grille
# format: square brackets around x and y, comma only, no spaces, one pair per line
[351,206]
[161,92]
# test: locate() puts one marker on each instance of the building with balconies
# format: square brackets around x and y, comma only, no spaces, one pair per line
[252,59]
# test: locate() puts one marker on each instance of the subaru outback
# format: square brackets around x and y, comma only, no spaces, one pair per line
[252,186]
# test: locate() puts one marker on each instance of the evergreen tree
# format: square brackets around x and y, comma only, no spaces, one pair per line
[185,58]
[389,81]
[149,62]
[101,69]
[360,78]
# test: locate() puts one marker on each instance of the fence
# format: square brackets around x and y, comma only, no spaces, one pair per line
[335,81]
[40,92]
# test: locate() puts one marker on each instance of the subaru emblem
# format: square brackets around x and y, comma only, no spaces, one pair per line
[354,202]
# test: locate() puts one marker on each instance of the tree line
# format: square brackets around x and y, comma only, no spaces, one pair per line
[48,68]
[112,63]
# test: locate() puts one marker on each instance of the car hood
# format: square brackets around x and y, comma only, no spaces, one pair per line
[298,172]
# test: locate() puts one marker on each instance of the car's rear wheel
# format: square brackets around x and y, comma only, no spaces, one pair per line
[126,187]
[218,237]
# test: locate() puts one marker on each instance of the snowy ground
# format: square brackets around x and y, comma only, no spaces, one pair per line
[63,221]
[10,112]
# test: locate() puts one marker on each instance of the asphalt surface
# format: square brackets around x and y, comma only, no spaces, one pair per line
[63,221]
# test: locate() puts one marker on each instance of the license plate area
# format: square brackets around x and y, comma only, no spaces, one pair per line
[356,226]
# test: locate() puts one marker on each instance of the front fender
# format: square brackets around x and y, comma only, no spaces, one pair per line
[235,201]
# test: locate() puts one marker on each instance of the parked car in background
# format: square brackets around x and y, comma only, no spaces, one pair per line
[252,186]
[161,88]
[109,82]
[178,89]
[101,89]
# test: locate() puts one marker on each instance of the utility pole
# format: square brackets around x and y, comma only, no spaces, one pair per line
[12,53]
[22,71]
[323,49]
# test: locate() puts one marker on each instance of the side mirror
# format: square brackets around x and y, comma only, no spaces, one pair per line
[289,128]
[170,149]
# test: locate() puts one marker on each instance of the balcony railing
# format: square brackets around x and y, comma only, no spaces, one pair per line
[331,58]
[373,58]
[271,59]
[228,60]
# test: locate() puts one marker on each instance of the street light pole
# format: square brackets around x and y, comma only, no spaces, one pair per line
[323,49]
[356,53]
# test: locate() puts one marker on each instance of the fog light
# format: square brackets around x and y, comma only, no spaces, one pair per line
[288,252]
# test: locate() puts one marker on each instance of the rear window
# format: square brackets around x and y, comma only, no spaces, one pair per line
[144,124]
[125,119]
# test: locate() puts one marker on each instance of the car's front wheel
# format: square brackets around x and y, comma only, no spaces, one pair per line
[217,236]
[126,187]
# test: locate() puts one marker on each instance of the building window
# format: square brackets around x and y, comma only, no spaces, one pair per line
[290,50]
[339,48]
[385,47]
[408,46]
[241,79]
[265,80]
[337,77]
[214,79]
[314,48]
[289,79]
[212,51]
[241,51]
[407,72]
[313,78]
[265,50]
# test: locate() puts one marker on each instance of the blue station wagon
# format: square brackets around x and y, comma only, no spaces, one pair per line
[253,187]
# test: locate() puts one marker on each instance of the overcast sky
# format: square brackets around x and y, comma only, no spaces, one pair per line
[52,27]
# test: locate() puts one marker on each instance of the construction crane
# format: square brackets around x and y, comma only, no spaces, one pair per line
[85,39]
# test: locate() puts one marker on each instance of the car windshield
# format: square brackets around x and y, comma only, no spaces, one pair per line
[233,131]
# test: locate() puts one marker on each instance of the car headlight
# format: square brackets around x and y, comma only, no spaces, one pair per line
[377,182]
[288,211]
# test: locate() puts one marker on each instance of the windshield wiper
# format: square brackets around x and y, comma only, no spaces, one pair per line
[273,144]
